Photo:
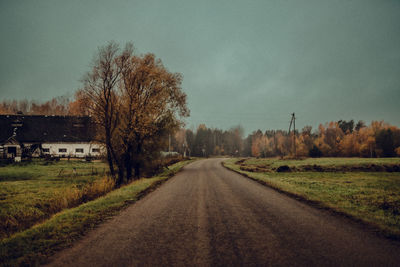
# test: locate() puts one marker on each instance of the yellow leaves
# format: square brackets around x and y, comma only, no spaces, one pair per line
[301,145]
[397,150]
[350,145]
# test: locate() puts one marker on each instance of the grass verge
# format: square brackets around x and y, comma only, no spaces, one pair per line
[326,162]
[34,245]
[30,192]
[372,198]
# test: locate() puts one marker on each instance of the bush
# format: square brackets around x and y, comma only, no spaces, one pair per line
[283,168]
[315,152]
[385,142]
[156,166]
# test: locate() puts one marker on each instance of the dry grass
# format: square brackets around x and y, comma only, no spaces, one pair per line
[73,196]
[31,193]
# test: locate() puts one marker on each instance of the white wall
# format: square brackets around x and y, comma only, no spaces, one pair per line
[71,149]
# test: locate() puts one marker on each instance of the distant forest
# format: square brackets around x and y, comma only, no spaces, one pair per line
[334,139]
[61,105]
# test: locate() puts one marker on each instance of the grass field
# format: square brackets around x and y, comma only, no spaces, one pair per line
[32,246]
[326,162]
[31,192]
[371,197]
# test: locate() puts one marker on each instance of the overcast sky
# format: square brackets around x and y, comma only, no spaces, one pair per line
[244,62]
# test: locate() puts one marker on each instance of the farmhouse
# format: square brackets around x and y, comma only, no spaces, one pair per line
[49,136]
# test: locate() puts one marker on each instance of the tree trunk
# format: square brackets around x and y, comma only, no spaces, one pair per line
[137,164]
[129,171]
[128,164]
[137,169]
[110,162]
[120,179]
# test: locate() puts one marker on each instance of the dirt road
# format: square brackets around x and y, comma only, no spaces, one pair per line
[209,216]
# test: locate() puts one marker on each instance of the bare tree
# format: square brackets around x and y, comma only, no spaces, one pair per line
[101,96]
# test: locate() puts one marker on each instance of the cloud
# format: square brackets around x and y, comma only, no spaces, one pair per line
[248,62]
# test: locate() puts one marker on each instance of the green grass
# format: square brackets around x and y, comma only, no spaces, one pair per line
[33,246]
[32,192]
[276,162]
[370,197]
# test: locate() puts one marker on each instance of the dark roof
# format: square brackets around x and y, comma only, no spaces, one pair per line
[38,128]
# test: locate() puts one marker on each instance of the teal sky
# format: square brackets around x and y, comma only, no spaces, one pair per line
[244,62]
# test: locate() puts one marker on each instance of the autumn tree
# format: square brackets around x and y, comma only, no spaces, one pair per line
[329,138]
[346,126]
[360,124]
[152,104]
[350,145]
[255,143]
[385,142]
[78,106]
[180,144]
[135,101]
[304,142]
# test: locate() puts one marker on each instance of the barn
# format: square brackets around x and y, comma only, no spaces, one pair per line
[24,136]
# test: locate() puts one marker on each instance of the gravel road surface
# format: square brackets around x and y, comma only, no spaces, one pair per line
[209,216]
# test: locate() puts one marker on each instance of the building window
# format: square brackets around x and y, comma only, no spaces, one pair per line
[46,150]
[62,150]
[96,150]
[78,150]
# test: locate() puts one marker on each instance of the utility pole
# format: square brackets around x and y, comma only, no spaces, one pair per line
[215,139]
[184,144]
[169,143]
[294,134]
[293,120]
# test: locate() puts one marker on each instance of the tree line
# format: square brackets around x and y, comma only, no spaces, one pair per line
[334,139]
[206,142]
[61,105]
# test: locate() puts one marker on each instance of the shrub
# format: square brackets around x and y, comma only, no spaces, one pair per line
[283,168]
[315,152]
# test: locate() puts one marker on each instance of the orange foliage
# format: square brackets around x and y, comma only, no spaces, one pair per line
[331,141]
[79,106]
[55,106]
